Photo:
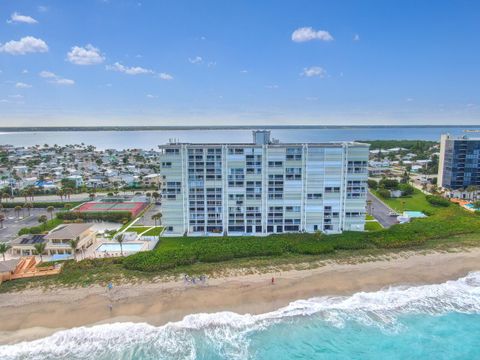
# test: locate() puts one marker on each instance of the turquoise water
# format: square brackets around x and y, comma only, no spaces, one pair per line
[414,214]
[127,247]
[422,322]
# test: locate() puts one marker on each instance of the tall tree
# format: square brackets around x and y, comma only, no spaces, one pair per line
[73,246]
[40,249]
[4,247]
[120,238]
[50,210]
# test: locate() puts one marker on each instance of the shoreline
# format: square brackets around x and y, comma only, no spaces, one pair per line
[36,313]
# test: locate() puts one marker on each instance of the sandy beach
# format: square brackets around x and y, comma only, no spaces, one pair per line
[36,313]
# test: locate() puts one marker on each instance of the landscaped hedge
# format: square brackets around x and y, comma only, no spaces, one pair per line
[437,201]
[110,216]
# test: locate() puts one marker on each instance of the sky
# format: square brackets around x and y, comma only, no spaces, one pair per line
[154,62]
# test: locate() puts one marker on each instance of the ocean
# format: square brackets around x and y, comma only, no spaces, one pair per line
[439,321]
[150,139]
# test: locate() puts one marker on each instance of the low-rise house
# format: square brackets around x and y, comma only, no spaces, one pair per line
[57,241]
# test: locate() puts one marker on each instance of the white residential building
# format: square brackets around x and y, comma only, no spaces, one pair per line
[263,187]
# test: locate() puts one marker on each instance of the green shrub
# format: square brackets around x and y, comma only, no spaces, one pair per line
[372,184]
[437,201]
[406,189]
[384,193]
[40,229]
[109,216]
[390,184]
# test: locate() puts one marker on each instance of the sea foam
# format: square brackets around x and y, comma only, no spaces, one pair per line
[228,333]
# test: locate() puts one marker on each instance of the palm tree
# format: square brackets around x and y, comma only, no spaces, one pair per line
[157,217]
[2,219]
[50,210]
[471,189]
[40,249]
[120,238]
[43,220]
[4,247]
[17,210]
[155,195]
[29,207]
[60,193]
[73,245]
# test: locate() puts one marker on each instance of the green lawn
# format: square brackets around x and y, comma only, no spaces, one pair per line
[373,226]
[416,202]
[369,217]
[138,229]
[154,231]
[149,230]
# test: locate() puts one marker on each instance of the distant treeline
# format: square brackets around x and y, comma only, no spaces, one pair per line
[211,127]
[414,145]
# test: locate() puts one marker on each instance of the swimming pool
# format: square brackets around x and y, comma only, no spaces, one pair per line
[113,247]
[414,214]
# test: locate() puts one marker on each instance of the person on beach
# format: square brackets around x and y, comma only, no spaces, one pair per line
[110,307]
[273,281]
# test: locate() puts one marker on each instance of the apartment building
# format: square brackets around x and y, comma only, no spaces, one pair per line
[263,187]
[459,162]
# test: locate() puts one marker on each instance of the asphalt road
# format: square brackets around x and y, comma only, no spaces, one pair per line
[380,211]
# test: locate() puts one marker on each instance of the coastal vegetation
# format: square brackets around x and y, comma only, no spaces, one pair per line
[446,228]
[109,216]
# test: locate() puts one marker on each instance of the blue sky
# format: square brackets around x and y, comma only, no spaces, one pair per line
[149,62]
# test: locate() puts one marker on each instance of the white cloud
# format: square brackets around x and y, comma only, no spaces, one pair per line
[134,70]
[195,60]
[150,96]
[356,37]
[42,8]
[272,86]
[24,71]
[314,71]
[165,76]
[409,99]
[18,18]
[21,85]
[27,44]
[55,79]
[307,34]
[88,55]
[16,96]
[244,71]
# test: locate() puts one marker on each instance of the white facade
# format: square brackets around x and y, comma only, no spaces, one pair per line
[261,188]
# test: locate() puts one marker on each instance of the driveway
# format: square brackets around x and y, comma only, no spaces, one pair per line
[380,211]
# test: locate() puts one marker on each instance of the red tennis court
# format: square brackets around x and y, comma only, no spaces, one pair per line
[134,208]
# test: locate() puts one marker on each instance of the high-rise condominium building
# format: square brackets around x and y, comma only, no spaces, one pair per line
[263,187]
[459,163]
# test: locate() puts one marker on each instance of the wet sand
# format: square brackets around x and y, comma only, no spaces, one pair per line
[37,313]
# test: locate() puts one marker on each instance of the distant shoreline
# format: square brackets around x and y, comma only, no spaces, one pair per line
[217,127]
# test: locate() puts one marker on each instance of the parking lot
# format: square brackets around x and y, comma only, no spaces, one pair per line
[12,225]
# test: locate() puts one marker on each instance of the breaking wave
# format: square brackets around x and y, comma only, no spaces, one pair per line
[228,335]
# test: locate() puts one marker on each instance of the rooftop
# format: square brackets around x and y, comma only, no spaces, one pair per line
[70,231]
